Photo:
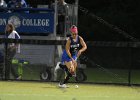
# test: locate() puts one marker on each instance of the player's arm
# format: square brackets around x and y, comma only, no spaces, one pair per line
[68,48]
[84,46]
[68,51]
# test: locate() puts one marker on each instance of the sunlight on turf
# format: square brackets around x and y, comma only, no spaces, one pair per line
[11,90]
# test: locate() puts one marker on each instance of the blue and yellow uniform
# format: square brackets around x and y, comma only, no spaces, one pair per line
[74,47]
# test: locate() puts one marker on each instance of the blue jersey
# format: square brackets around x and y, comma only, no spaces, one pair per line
[74,47]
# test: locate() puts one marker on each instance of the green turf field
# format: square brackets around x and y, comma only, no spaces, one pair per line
[21,90]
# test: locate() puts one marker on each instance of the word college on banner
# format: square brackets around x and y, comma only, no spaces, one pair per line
[28,23]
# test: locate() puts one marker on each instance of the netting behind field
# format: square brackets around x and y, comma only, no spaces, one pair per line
[103,62]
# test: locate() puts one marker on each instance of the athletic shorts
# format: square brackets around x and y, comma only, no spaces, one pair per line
[66,58]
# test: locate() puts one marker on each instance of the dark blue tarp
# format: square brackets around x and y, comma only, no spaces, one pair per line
[28,22]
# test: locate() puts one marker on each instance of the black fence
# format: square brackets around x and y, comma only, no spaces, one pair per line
[103,62]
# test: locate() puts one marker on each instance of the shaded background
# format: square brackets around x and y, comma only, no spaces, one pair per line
[121,13]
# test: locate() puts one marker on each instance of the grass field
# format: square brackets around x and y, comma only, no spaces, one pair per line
[98,75]
[22,90]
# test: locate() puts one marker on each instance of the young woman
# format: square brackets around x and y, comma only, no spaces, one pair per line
[12,49]
[72,52]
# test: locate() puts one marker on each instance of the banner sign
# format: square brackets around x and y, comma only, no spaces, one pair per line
[28,22]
